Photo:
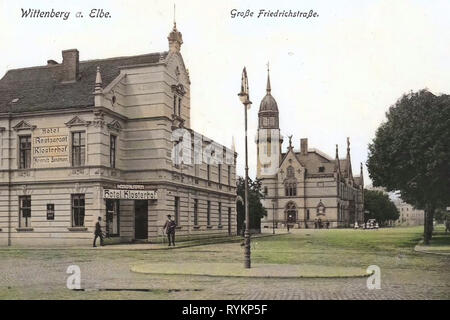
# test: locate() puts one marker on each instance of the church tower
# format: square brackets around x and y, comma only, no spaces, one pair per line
[268,138]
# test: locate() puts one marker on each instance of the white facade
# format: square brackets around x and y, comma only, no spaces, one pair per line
[77,133]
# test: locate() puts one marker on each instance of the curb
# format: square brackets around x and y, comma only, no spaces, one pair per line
[419,248]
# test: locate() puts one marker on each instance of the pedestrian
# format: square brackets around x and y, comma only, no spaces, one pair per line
[170,226]
[287,225]
[328,224]
[98,232]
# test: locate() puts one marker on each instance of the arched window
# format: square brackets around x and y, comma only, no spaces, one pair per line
[290,189]
[291,212]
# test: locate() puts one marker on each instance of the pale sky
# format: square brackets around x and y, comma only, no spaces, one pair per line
[333,76]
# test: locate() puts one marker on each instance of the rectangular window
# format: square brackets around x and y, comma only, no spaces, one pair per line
[196,168]
[229,175]
[208,213]
[179,107]
[78,209]
[177,210]
[24,211]
[50,211]
[78,148]
[174,104]
[219,170]
[220,213]
[24,152]
[196,212]
[112,151]
[208,174]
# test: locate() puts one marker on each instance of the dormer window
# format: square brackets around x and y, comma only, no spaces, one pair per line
[321,169]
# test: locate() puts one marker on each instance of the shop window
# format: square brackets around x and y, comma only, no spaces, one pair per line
[196,212]
[177,210]
[208,213]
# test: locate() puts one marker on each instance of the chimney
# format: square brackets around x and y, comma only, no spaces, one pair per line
[70,65]
[304,146]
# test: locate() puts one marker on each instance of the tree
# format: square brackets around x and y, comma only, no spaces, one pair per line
[255,207]
[410,153]
[379,206]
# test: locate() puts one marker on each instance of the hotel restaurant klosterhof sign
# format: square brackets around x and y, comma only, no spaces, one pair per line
[50,147]
[130,192]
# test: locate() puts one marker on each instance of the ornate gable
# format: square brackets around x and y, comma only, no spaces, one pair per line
[76,121]
[115,125]
[23,125]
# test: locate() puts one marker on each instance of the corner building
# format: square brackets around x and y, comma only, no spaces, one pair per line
[305,187]
[88,139]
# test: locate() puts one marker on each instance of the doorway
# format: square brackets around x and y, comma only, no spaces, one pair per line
[141,219]
[112,218]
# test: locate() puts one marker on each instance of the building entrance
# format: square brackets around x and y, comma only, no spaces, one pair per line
[141,219]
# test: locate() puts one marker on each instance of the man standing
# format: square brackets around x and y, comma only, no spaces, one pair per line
[98,232]
[170,226]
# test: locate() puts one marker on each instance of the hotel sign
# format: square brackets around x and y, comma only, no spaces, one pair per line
[129,194]
[50,147]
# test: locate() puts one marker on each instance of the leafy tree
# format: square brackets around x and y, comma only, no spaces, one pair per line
[256,210]
[410,153]
[441,215]
[380,207]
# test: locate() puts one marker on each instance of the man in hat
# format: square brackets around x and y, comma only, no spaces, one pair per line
[98,232]
[170,226]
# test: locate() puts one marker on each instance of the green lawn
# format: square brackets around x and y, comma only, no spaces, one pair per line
[343,249]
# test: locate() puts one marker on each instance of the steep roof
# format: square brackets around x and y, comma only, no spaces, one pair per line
[39,88]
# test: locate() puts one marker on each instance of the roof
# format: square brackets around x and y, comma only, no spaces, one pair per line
[39,88]
[268,103]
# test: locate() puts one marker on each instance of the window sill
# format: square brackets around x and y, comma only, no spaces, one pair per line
[24,229]
[77,229]
[220,226]
[196,227]
[209,227]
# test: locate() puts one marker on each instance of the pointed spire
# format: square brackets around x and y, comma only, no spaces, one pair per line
[361,174]
[337,164]
[349,162]
[175,37]
[233,144]
[348,145]
[98,81]
[174,17]
[268,89]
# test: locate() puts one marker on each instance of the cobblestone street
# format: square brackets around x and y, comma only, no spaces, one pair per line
[41,274]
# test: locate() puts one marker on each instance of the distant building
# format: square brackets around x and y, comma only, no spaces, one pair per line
[304,187]
[409,216]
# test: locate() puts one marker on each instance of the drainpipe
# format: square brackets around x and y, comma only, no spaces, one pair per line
[9,179]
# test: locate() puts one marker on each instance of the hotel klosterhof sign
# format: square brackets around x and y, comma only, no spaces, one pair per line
[50,147]
[130,192]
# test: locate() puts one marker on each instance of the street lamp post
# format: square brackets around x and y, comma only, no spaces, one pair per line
[273,216]
[244,96]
